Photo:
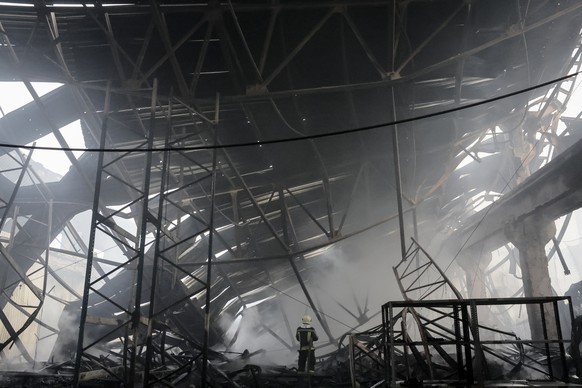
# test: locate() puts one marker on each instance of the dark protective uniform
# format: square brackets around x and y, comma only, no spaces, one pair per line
[306,335]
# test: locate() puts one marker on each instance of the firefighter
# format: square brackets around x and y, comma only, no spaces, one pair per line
[306,335]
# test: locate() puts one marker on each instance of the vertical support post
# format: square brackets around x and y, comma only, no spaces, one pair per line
[352,361]
[479,357]
[405,346]
[469,377]
[458,344]
[397,178]
[48,245]
[159,227]
[545,338]
[574,348]
[210,248]
[385,344]
[91,246]
[391,350]
[136,314]
[46,273]
[126,344]
[415,231]
[561,342]
[236,219]
[415,222]
[393,46]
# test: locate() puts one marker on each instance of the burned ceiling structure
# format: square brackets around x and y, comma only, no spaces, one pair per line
[237,164]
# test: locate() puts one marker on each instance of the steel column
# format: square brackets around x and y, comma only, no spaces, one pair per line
[156,258]
[396,155]
[91,246]
[210,247]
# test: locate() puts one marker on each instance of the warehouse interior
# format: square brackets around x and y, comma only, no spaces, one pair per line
[181,182]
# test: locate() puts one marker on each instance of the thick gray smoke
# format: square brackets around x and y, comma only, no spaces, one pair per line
[348,283]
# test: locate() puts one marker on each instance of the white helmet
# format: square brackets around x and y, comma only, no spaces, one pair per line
[306,320]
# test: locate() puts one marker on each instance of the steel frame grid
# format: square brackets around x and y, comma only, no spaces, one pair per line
[419,276]
[167,201]
[145,357]
[470,346]
[127,328]
[366,357]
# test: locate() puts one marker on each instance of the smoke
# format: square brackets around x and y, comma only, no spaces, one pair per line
[348,283]
[65,347]
[251,341]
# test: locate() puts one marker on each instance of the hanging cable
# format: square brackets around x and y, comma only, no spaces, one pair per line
[301,138]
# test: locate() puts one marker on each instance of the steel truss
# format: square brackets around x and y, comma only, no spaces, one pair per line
[179,217]
[419,276]
[462,348]
[144,342]
[431,334]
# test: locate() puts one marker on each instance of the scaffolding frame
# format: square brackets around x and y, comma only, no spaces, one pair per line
[469,340]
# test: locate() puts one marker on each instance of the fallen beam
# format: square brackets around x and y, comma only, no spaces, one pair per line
[553,191]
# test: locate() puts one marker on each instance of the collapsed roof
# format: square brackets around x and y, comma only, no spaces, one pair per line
[247,172]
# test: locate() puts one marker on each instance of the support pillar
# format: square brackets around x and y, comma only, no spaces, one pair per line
[530,236]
